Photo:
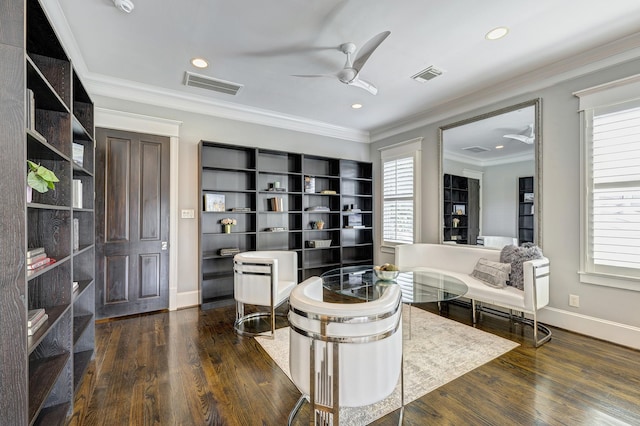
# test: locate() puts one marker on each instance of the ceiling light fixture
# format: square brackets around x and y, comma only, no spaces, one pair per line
[497,33]
[499,146]
[124,5]
[356,106]
[199,63]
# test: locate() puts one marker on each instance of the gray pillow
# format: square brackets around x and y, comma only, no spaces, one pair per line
[494,274]
[516,256]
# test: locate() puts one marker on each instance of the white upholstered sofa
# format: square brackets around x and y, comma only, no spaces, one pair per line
[459,261]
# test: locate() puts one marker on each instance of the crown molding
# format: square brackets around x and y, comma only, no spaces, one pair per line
[619,51]
[488,163]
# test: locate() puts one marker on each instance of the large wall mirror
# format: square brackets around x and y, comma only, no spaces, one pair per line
[490,178]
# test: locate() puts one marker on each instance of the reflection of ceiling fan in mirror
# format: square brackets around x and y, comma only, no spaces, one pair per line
[528,137]
[349,74]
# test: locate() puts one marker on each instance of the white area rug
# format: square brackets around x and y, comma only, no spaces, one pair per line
[439,351]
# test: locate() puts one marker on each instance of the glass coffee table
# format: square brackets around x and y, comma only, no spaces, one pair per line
[418,285]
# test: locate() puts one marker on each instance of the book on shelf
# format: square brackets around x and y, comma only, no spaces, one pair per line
[230,251]
[40,263]
[318,209]
[78,154]
[309,184]
[30,110]
[75,287]
[36,326]
[38,257]
[76,234]
[276,204]
[76,194]
[355,226]
[328,192]
[34,315]
[214,202]
[241,209]
[34,251]
[276,229]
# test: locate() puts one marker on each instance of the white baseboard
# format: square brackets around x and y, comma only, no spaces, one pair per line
[187,299]
[622,334]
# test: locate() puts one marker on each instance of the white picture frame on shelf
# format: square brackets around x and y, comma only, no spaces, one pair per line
[459,209]
[214,202]
[528,197]
[78,154]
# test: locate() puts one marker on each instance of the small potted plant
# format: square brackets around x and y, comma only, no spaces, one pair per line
[39,178]
[227,223]
[320,224]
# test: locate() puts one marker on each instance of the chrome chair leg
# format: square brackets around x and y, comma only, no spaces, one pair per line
[296,408]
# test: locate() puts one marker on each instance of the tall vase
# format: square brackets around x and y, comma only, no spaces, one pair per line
[227,229]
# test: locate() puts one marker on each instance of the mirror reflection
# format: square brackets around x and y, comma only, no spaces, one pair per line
[489,180]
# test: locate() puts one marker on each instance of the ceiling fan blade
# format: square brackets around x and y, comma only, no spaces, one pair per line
[521,138]
[364,85]
[313,75]
[367,49]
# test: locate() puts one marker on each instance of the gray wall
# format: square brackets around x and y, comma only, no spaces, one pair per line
[605,312]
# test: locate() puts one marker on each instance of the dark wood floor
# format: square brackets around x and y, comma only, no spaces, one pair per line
[189,368]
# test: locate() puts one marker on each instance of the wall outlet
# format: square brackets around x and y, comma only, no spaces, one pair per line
[574,300]
[188,214]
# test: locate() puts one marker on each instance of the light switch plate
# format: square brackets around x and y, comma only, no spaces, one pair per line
[188,214]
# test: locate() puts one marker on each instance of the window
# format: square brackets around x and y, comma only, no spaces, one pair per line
[399,203]
[611,224]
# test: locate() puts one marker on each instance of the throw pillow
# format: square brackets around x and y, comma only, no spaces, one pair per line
[516,256]
[494,274]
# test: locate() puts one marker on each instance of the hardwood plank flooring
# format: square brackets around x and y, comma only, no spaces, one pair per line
[188,367]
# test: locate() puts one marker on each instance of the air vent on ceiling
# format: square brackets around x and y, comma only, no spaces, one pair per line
[204,82]
[476,149]
[427,74]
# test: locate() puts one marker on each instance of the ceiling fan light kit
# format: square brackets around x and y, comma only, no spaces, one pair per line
[125,6]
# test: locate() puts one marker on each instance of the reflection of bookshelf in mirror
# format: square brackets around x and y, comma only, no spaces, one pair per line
[526,208]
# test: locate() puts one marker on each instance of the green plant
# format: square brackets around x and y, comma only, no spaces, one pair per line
[40,178]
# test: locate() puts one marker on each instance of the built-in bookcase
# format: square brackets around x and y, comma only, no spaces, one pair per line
[57,113]
[280,201]
[525,210]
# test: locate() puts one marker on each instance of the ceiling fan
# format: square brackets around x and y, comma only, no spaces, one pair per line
[527,138]
[350,73]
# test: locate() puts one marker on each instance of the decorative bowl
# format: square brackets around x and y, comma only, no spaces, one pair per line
[386,275]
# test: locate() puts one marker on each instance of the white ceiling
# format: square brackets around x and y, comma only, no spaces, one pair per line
[261,43]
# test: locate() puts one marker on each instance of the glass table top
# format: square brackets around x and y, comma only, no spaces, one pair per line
[418,285]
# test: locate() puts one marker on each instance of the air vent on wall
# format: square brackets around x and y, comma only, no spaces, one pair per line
[427,74]
[204,82]
[476,149]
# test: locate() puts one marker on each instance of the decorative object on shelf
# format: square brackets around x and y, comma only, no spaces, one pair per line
[309,184]
[76,194]
[214,202]
[318,209]
[328,192]
[353,220]
[459,209]
[528,197]
[40,178]
[229,251]
[352,208]
[78,154]
[227,223]
[276,229]
[320,224]
[455,221]
[276,204]
[319,243]
[76,234]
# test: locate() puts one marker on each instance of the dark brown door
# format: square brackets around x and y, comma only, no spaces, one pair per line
[473,211]
[132,223]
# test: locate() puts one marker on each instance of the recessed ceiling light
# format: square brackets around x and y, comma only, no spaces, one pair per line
[199,63]
[356,106]
[499,146]
[497,33]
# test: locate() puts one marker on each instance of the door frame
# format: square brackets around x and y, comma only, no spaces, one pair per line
[119,120]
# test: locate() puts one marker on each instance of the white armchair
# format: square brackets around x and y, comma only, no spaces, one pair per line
[263,278]
[347,355]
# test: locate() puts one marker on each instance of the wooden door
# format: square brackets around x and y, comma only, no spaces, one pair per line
[132,223]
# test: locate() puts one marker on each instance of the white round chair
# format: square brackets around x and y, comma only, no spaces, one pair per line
[343,355]
[262,278]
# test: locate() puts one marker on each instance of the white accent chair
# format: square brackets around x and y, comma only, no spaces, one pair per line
[262,278]
[343,355]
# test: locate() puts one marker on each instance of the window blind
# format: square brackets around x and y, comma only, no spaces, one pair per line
[398,200]
[614,227]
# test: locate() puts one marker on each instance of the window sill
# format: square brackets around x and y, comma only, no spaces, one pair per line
[608,280]
[388,249]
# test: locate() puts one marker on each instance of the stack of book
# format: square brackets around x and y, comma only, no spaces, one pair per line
[36,318]
[76,285]
[37,258]
[76,194]
[229,251]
